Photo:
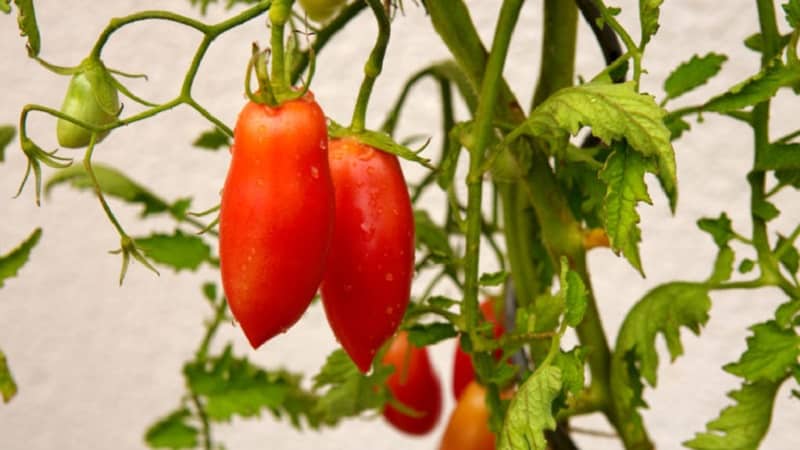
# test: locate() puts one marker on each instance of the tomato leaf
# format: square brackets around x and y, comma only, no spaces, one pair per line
[614,112]
[7,133]
[574,292]
[765,210]
[779,157]
[113,183]
[772,352]
[348,392]
[422,335]
[493,279]
[790,258]
[178,251]
[172,431]
[5,6]
[693,73]
[572,372]
[11,262]
[756,89]
[720,229]
[531,411]
[755,42]
[381,141]
[648,17]
[664,310]
[624,174]
[8,388]
[213,139]
[785,314]
[723,266]
[742,425]
[26,18]
[232,386]
[792,10]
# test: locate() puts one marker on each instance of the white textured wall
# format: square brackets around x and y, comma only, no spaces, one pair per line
[96,363]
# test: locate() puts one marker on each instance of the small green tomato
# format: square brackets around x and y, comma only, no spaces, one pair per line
[321,10]
[92,98]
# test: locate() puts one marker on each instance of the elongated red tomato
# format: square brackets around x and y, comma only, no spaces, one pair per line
[468,428]
[277,215]
[414,384]
[367,281]
[463,370]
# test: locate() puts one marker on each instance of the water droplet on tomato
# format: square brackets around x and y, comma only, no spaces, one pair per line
[389,310]
[348,287]
[314,172]
[389,277]
[364,154]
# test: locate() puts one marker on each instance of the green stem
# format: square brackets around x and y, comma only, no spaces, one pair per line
[278,16]
[201,413]
[373,66]
[558,48]
[633,49]
[211,330]
[490,88]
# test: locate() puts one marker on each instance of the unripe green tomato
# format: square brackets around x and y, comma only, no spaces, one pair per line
[321,10]
[92,98]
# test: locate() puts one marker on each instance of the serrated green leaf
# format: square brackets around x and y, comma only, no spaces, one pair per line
[789,177]
[26,18]
[547,310]
[572,371]
[440,301]
[179,251]
[693,73]
[624,174]
[662,310]
[755,42]
[531,411]
[210,291]
[7,133]
[380,141]
[614,112]
[348,392]
[765,210]
[493,279]
[786,313]
[771,353]
[720,229]
[213,139]
[723,266]
[172,432]
[422,335]
[8,388]
[756,89]
[5,6]
[790,258]
[113,183]
[233,386]
[431,236]
[792,10]
[779,157]
[648,17]
[746,265]
[574,298]
[743,425]
[11,262]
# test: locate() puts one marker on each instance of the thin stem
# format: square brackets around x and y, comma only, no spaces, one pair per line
[211,330]
[633,49]
[785,139]
[373,66]
[201,413]
[558,48]
[278,16]
[605,36]
[490,87]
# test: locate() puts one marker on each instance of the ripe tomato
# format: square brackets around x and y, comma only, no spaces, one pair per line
[92,98]
[321,10]
[414,384]
[463,370]
[276,220]
[468,428]
[367,281]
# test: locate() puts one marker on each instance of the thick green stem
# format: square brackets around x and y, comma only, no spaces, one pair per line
[558,48]
[278,16]
[373,66]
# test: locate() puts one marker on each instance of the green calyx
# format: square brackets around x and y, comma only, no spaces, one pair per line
[92,100]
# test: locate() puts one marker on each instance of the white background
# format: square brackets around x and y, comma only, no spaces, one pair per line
[97,363]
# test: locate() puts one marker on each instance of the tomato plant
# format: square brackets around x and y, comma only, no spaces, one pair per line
[92,98]
[276,216]
[415,385]
[367,282]
[463,370]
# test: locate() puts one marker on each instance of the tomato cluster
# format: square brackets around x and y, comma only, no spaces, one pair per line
[296,215]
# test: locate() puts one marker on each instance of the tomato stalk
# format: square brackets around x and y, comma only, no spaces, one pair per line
[278,16]
[373,66]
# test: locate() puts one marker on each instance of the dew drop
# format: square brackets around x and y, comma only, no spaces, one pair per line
[389,310]
[389,277]
[314,172]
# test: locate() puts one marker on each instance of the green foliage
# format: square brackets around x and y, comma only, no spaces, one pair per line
[8,388]
[213,139]
[178,250]
[381,141]
[11,262]
[5,6]
[531,411]
[428,334]
[172,432]
[26,18]
[792,10]
[756,89]
[493,279]
[7,133]
[624,174]
[693,73]
[648,17]
[723,266]
[771,354]
[431,237]
[779,156]
[743,425]
[574,292]
[720,229]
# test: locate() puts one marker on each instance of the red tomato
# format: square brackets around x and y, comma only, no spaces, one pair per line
[367,281]
[468,428]
[276,220]
[463,370]
[414,384]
